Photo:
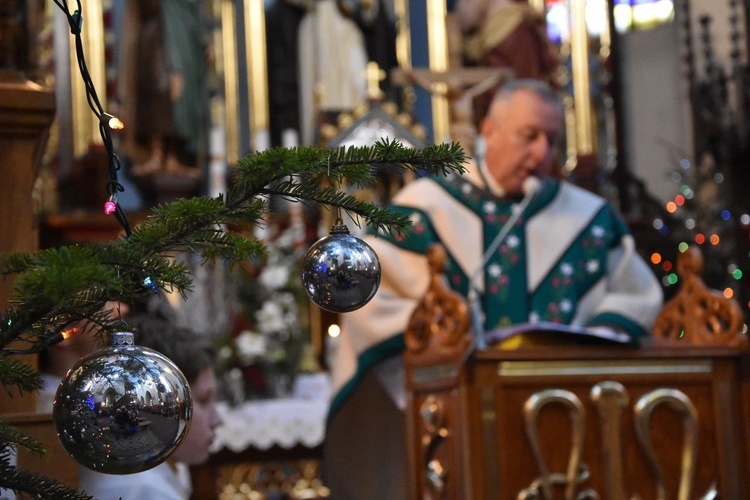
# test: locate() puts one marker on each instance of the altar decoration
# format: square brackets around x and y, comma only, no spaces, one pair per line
[260,358]
[286,423]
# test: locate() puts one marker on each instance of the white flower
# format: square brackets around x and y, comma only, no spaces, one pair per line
[274,277]
[597,231]
[513,241]
[250,345]
[566,305]
[270,318]
[466,189]
[533,317]
[415,219]
[490,207]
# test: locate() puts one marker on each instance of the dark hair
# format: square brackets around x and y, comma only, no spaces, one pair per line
[190,351]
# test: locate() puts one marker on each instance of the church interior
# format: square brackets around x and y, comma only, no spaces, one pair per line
[656,97]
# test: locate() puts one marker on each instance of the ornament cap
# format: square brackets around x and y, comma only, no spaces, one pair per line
[339,229]
[122,338]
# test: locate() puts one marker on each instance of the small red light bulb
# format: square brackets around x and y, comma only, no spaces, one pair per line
[110,207]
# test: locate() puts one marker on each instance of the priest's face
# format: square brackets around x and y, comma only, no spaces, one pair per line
[522,134]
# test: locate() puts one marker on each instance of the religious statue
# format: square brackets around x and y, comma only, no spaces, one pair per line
[333,62]
[505,34]
[460,87]
[164,63]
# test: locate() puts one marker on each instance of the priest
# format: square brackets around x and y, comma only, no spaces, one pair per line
[566,257]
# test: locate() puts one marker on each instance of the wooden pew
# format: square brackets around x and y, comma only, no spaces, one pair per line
[669,419]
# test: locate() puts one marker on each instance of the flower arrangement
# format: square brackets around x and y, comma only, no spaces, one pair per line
[260,357]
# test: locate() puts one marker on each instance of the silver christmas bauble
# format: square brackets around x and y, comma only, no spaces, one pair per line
[123,408]
[340,272]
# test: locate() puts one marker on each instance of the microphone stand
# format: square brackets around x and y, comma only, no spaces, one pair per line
[530,187]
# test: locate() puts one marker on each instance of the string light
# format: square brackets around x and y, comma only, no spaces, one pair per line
[66,334]
[150,283]
[47,341]
[112,122]
[110,206]
[107,121]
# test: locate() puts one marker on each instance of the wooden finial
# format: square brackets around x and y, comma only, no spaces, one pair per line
[439,326]
[698,315]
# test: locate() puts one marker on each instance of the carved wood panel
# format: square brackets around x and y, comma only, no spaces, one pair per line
[610,424]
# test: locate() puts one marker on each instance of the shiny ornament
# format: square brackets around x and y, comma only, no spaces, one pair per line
[340,272]
[123,408]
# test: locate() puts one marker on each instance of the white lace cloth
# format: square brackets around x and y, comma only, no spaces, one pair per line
[262,424]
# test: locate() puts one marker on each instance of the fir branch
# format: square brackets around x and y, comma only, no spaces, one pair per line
[12,437]
[15,373]
[377,217]
[57,277]
[354,165]
[38,486]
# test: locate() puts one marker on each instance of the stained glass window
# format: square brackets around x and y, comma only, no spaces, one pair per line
[628,15]
[642,14]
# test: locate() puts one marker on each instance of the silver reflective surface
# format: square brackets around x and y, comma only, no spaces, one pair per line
[341,272]
[122,409]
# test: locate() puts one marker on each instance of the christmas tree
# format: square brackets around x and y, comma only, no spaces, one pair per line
[57,288]
[710,207]
[60,287]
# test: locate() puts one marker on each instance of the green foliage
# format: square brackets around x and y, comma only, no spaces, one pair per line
[14,373]
[57,288]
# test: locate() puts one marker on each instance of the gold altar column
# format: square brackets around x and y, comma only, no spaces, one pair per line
[579,46]
[85,122]
[437,40]
[257,73]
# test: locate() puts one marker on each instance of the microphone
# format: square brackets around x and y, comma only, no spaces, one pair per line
[530,187]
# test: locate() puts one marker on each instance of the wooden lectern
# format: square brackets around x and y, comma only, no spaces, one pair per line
[666,420]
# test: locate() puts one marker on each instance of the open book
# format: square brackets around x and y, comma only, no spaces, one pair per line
[557,333]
